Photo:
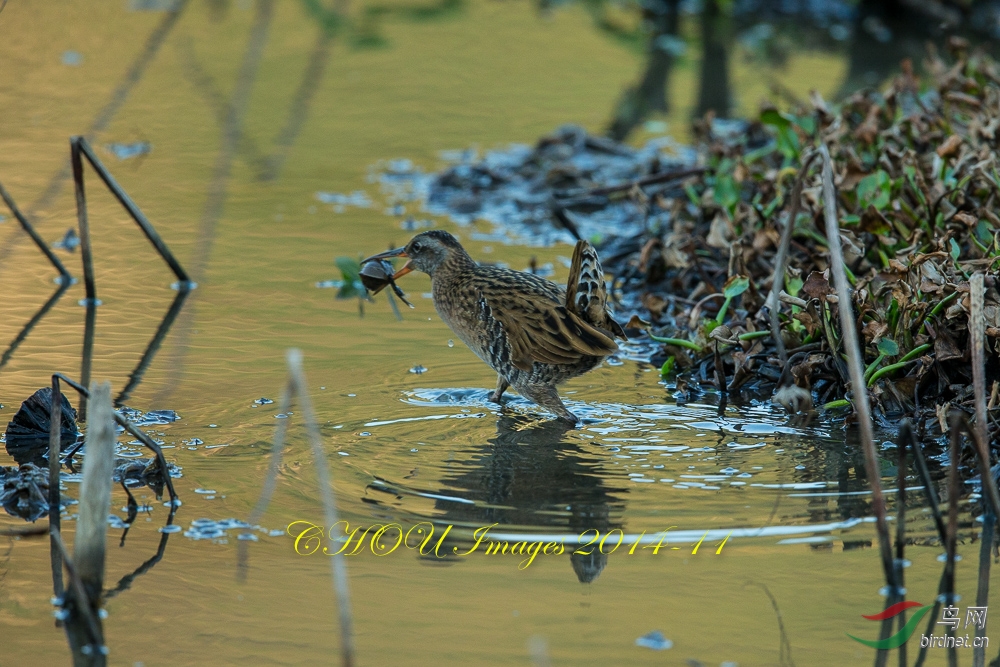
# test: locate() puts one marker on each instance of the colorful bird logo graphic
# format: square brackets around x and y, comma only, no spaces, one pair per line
[904,634]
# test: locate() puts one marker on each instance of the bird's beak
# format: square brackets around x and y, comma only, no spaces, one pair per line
[389,254]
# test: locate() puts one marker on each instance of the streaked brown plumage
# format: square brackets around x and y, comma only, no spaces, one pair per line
[532,332]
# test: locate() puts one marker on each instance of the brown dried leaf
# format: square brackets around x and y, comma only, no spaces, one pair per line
[868,130]
[874,331]
[817,285]
[721,234]
[944,347]
[635,322]
[950,146]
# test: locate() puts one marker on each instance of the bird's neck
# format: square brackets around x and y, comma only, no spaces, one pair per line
[458,263]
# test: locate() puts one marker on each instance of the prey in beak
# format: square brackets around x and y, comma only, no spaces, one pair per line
[389,254]
[376,273]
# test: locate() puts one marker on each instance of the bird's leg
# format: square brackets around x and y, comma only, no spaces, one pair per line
[548,397]
[502,385]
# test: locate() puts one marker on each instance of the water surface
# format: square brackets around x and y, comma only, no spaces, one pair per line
[794,576]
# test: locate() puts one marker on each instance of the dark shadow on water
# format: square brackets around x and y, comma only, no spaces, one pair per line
[650,95]
[532,477]
[26,330]
[135,377]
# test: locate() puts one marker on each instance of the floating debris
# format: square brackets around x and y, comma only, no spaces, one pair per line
[654,640]
[27,435]
[209,529]
[136,473]
[263,401]
[151,418]
[69,242]
[24,491]
[129,151]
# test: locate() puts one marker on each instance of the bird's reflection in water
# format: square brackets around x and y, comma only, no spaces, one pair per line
[533,478]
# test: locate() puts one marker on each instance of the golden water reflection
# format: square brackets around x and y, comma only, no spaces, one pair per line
[241,214]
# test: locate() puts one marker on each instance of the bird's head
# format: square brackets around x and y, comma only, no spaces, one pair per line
[427,252]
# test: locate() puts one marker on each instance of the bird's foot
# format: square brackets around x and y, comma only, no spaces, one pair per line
[569,418]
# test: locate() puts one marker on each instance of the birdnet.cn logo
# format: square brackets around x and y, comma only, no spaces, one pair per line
[950,617]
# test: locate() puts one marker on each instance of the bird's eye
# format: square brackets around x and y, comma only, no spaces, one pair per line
[415,247]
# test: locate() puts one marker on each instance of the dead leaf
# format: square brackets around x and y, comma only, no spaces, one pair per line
[945,348]
[794,399]
[720,234]
[817,285]
[950,146]
[874,331]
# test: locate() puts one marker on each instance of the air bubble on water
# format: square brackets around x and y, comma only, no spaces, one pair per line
[451,343]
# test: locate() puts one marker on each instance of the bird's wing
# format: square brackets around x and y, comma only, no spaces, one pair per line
[539,327]
[586,292]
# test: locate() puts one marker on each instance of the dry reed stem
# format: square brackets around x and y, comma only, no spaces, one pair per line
[270,480]
[55,446]
[95,491]
[980,432]
[84,629]
[850,341]
[778,279]
[338,563]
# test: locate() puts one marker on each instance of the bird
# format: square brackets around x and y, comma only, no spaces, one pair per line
[534,333]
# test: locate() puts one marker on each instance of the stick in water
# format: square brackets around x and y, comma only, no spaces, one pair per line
[850,340]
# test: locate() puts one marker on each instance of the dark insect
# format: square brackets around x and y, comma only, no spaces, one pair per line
[376,274]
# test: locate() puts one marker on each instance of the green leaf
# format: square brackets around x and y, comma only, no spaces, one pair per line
[775,118]
[807,123]
[668,367]
[727,193]
[888,347]
[350,269]
[350,290]
[956,250]
[692,195]
[983,232]
[793,285]
[875,190]
[788,142]
[735,286]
